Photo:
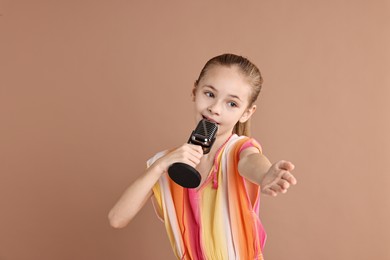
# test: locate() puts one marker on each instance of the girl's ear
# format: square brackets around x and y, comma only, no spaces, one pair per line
[193,93]
[247,114]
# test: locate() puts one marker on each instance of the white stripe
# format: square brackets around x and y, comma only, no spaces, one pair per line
[229,237]
[170,213]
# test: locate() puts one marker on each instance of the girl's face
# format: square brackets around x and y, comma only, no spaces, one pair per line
[222,96]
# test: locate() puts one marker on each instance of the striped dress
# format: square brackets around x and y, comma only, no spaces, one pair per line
[216,220]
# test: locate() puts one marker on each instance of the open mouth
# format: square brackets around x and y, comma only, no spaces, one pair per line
[209,119]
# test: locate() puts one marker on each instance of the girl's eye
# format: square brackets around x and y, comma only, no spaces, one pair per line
[209,94]
[232,104]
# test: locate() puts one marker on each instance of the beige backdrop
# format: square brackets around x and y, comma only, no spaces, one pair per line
[91,89]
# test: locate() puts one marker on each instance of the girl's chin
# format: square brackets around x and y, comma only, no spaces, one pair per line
[222,132]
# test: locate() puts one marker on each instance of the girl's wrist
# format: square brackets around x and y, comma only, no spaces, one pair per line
[159,167]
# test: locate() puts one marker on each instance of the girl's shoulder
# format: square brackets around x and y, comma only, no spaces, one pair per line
[242,142]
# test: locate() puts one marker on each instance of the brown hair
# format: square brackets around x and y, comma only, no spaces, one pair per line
[249,70]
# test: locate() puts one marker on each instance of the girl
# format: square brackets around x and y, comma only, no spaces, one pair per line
[219,219]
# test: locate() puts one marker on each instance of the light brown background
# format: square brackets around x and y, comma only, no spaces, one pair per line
[91,89]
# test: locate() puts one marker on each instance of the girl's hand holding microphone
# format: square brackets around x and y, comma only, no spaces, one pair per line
[187,153]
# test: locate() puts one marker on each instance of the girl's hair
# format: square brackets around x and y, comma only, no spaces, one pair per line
[249,70]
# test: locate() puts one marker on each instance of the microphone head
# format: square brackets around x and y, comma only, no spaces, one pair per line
[204,134]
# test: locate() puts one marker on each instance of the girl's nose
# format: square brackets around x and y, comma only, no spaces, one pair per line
[214,109]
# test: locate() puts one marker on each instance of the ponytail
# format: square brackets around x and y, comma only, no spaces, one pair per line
[242,128]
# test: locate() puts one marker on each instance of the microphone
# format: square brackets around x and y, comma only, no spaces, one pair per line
[203,135]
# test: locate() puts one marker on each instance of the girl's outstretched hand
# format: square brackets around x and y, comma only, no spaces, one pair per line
[278,178]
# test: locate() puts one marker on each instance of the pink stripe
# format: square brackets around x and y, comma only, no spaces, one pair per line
[194,224]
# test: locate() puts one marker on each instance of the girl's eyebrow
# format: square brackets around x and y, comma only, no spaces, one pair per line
[231,95]
[209,86]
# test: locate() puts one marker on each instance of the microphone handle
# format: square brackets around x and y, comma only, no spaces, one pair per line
[184,174]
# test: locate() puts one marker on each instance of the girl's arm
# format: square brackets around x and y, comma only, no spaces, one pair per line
[272,178]
[136,195]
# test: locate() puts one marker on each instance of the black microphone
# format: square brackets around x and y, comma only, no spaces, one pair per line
[203,135]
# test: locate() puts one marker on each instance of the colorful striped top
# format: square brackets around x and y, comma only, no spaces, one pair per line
[216,220]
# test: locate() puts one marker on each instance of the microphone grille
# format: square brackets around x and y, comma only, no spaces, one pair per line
[204,134]
[206,128]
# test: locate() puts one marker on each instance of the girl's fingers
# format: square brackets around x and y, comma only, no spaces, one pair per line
[193,160]
[196,148]
[286,165]
[280,187]
[284,184]
[279,178]
[276,188]
[290,178]
[269,192]
[189,154]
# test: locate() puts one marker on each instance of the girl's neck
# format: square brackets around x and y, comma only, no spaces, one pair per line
[219,142]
